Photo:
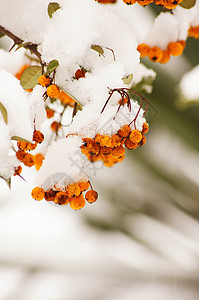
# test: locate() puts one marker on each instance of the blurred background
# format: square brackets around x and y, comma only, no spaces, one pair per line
[140,240]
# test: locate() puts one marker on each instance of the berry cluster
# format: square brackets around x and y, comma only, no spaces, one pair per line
[156,54]
[26,158]
[110,149]
[72,194]
[193,32]
[106,1]
[169,4]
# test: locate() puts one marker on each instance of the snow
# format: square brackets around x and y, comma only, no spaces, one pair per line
[189,84]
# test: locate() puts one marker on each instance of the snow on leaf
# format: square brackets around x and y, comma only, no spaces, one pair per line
[52,7]
[30,76]
[4,113]
[71,96]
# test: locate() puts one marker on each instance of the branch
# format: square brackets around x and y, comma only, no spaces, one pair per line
[19,41]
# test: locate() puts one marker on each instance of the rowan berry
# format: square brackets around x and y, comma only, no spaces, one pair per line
[84,185]
[143,49]
[77,202]
[17,170]
[145,127]
[116,140]
[39,161]
[29,160]
[165,57]
[129,2]
[50,195]
[135,136]
[155,54]
[130,145]
[91,196]
[193,32]
[118,152]
[66,99]
[38,193]
[61,198]
[43,80]
[38,136]
[73,190]
[123,101]
[53,91]
[124,131]
[80,72]
[55,126]
[49,113]
[175,48]
[20,155]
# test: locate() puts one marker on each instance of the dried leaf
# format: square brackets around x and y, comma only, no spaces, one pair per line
[17,138]
[187,3]
[52,7]
[53,64]
[98,49]
[4,113]
[30,76]
[128,79]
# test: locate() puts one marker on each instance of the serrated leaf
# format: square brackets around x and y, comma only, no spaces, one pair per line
[98,49]
[52,7]
[7,180]
[53,64]
[4,113]
[71,96]
[187,3]
[17,138]
[128,79]
[30,77]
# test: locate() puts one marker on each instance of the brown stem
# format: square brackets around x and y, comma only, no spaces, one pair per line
[19,41]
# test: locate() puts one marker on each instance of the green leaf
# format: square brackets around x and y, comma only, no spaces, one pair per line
[30,77]
[98,49]
[17,138]
[7,180]
[128,79]
[52,7]
[71,96]
[1,34]
[4,113]
[53,64]
[187,3]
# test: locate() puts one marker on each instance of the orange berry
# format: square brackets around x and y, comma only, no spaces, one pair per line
[115,141]
[22,145]
[145,127]
[39,161]
[193,32]
[66,99]
[143,49]
[144,2]
[73,190]
[61,198]
[43,80]
[118,152]
[80,73]
[129,2]
[50,195]
[124,131]
[135,136]
[20,155]
[38,193]
[175,48]
[105,150]
[53,91]
[17,170]
[143,141]
[183,43]
[94,150]
[55,126]
[29,160]
[38,136]
[84,185]
[123,101]
[49,113]
[130,145]
[91,196]
[77,202]
[155,54]
[165,57]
